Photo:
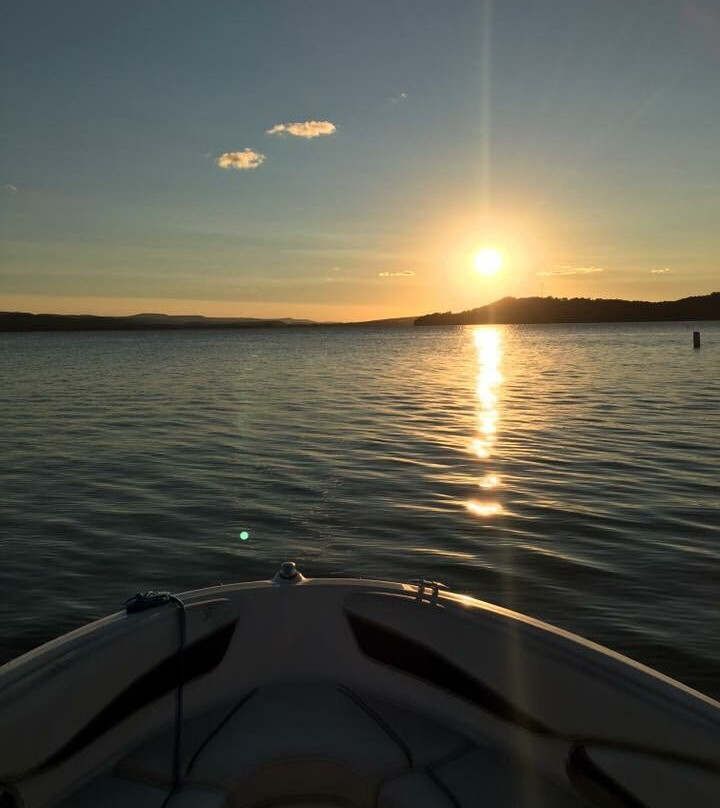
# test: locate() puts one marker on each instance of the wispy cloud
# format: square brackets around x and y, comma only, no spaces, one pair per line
[306,129]
[664,271]
[241,160]
[405,273]
[11,188]
[566,269]
[396,99]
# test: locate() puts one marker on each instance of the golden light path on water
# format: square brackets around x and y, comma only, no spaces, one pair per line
[488,346]
[489,379]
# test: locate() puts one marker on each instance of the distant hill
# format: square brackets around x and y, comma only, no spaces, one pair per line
[199,319]
[507,310]
[389,322]
[579,310]
[22,321]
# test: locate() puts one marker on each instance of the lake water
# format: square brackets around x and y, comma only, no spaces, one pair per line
[569,472]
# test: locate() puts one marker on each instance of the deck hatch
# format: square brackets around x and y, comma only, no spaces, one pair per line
[406,654]
[200,657]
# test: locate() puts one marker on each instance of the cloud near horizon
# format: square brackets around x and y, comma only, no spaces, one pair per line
[306,129]
[660,271]
[241,160]
[570,270]
[406,273]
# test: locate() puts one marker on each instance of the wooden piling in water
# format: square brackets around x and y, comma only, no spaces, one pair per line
[696,339]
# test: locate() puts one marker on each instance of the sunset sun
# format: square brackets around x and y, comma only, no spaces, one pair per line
[488,261]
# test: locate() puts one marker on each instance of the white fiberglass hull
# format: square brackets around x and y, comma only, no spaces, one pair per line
[346,692]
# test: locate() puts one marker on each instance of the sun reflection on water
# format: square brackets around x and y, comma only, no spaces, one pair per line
[484,508]
[489,481]
[489,380]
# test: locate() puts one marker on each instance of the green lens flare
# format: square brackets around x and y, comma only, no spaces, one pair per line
[244,535]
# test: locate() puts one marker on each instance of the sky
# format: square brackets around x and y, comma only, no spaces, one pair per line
[343,160]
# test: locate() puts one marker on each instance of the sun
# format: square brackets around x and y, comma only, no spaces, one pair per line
[488,261]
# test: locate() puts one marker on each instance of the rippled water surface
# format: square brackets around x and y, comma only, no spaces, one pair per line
[570,472]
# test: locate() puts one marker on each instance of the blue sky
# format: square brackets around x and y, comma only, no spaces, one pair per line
[579,137]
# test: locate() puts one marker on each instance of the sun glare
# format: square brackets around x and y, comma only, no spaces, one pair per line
[488,261]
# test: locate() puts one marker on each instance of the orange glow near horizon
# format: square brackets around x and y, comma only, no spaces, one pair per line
[124,306]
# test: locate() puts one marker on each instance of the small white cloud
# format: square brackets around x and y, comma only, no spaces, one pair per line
[396,99]
[660,271]
[241,160]
[565,269]
[306,129]
[406,273]
[11,188]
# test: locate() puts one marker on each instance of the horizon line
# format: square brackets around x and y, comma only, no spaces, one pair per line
[308,320]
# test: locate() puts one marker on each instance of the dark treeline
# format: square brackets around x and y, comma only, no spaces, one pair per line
[507,310]
[519,310]
[22,321]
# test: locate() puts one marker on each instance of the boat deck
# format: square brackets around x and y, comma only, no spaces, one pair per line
[320,744]
[360,694]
